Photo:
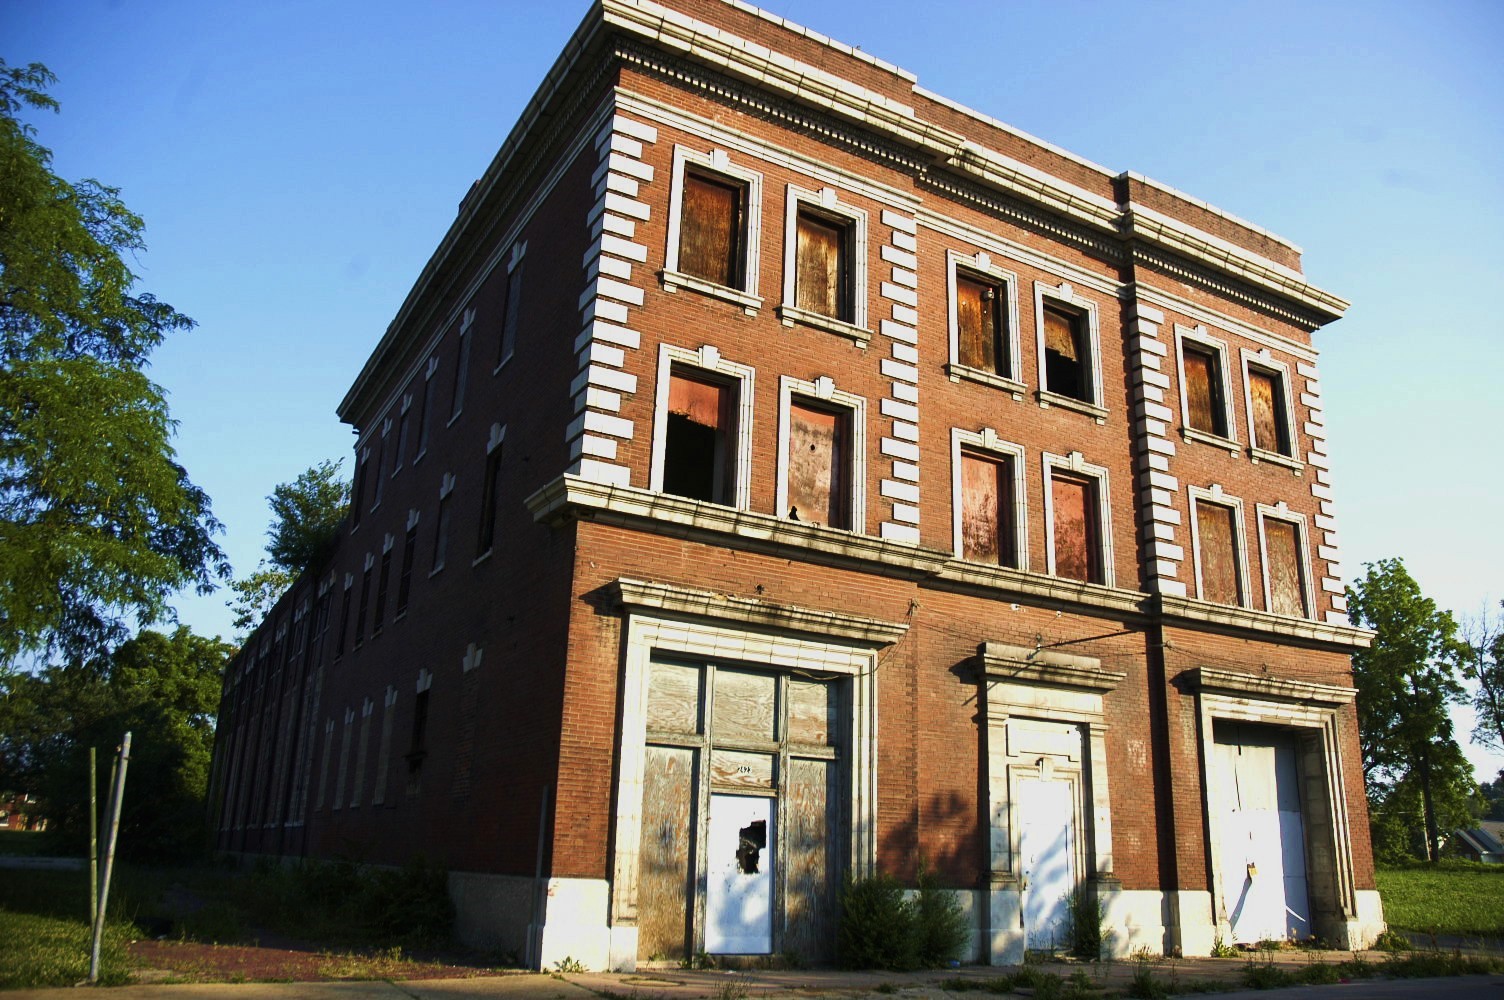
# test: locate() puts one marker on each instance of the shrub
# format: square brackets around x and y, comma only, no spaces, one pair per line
[877,926]
[1085,915]
[942,926]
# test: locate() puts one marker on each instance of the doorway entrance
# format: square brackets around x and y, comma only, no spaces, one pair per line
[1047,850]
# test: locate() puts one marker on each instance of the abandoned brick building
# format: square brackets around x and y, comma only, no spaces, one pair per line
[780,471]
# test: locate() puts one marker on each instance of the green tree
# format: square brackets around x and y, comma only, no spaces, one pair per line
[98,522]
[1405,682]
[306,518]
[1483,664]
[164,689]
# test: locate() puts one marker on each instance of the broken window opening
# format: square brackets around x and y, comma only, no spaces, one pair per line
[987,528]
[822,269]
[819,488]
[980,329]
[698,439]
[1204,407]
[1271,430]
[490,488]
[751,842]
[711,229]
[1077,535]
[1067,354]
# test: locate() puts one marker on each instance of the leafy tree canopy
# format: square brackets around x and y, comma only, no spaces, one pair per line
[1483,664]
[1405,682]
[164,689]
[306,515]
[98,522]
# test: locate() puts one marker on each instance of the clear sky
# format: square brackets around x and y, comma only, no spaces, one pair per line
[296,163]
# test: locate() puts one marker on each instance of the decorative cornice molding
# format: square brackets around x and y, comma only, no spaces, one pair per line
[1046,667]
[1235,683]
[1203,616]
[692,602]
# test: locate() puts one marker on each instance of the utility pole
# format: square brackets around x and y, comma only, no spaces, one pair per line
[117,793]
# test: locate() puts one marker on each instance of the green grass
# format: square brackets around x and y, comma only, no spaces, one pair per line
[1448,897]
[38,951]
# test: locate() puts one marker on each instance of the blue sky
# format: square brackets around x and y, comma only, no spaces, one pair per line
[297,162]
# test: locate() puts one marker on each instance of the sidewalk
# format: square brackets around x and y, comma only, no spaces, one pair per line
[686,984]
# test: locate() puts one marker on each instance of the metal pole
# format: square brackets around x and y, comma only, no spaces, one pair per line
[117,793]
[93,837]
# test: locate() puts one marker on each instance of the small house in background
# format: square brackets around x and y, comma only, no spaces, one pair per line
[19,812]
[781,472]
[1484,843]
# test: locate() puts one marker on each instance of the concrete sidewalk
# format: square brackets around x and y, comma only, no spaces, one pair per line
[685,984]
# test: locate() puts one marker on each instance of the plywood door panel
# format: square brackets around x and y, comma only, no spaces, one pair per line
[1262,864]
[1046,846]
[808,908]
[664,893]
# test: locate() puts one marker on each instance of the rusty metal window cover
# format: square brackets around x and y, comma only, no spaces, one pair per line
[1074,527]
[981,325]
[819,469]
[1205,409]
[1285,573]
[1217,549]
[1270,428]
[987,504]
[712,228]
[822,279]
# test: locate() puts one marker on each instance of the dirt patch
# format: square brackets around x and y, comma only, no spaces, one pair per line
[190,961]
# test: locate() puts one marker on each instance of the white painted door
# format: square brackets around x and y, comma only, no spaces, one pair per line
[1263,862]
[1047,849]
[739,876]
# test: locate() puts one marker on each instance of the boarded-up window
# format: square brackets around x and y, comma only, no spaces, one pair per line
[821,278]
[697,439]
[710,230]
[1077,535]
[987,528]
[979,325]
[819,459]
[743,706]
[1217,537]
[1067,354]
[1204,409]
[1287,589]
[1271,432]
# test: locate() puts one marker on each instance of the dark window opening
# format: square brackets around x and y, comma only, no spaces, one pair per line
[1067,354]
[461,374]
[404,585]
[509,315]
[1271,430]
[1217,538]
[987,527]
[822,268]
[1204,407]
[402,433]
[380,470]
[360,491]
[381,589]
[751,842]
[441,534]
[1077,535]
[425,415]
[1287,590]
[819,486]
[698,439]
[360,613]
[981,340]
[344,624]
[488,502]
[710,230]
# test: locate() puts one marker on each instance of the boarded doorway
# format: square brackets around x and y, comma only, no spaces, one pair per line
[1047,852]
[1262,842]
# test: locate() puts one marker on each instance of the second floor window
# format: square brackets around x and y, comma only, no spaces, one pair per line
[700,434]
[819,469]
[822,279]
[1067,354]
[981,335]
[711,229]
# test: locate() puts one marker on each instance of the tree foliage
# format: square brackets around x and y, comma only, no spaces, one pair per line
[98,522]
[306,515]
[164,689]
[1411,761]
[1483,664]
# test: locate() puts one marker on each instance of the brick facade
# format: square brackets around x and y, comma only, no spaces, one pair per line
[529,581]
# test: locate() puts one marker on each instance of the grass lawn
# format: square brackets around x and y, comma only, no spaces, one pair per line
[1450,897]
[23,842]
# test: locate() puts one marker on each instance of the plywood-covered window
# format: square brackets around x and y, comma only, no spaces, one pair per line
[819,469]
[1268,411]
[1284,567]
[1067,354]
[822,280]
[981,334]
[1217,546]
[1205,409]
[987,529]
[712,228]
[1076,527]
[700,434]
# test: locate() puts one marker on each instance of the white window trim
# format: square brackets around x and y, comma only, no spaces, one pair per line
[717,161]
[1214,495]
[519,250]
[823,390]
[981,263]
[1280,512]
[987,442]
[826,202]
[706,359]
[1074,463]
[1263,359]
[1065,295]
[1199,336]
